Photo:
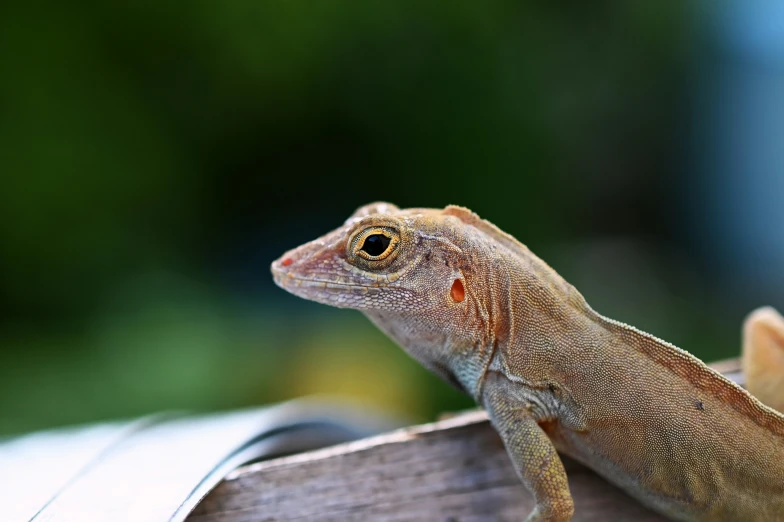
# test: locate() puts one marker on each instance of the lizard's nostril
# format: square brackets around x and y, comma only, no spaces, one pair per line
[287,261]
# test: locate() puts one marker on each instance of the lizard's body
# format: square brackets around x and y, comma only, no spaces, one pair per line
[478,308]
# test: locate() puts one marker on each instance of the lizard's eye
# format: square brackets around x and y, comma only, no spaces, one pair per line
[375,243]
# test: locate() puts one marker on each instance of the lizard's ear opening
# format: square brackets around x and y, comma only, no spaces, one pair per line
[458,291]
[378,207]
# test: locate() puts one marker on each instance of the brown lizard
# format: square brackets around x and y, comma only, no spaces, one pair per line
[479,309]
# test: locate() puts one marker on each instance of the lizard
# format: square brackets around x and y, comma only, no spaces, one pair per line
[478,308]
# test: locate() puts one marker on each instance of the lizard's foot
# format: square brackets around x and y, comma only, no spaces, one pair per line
[553,512]
[763,356]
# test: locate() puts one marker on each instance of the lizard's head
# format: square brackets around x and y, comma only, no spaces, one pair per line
[382,259]
[424,276]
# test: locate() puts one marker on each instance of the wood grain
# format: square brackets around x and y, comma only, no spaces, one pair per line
[452,470]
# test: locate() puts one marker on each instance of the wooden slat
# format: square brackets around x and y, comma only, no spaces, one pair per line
[454,469]
[730,368]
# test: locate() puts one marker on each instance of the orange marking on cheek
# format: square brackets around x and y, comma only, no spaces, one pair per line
[287,261]
[458,291]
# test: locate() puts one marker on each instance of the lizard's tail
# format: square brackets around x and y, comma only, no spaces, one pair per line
[763,356]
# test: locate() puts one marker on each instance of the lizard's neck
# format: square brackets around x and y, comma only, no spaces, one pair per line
[530,302]
[459,361]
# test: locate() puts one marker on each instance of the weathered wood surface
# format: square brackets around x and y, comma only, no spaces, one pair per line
[452,470]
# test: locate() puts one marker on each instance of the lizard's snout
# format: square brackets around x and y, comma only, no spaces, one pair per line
[307,263]
[282,264]
[283,268]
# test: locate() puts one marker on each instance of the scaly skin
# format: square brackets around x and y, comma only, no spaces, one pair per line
[476,307]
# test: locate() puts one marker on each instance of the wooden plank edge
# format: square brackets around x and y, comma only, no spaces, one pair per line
[281,489]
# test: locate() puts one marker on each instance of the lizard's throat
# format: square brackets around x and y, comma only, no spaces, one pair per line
[462,367]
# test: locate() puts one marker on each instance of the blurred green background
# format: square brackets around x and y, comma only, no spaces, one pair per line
[156,157]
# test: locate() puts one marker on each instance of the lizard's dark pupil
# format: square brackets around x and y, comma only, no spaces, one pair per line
[376,244]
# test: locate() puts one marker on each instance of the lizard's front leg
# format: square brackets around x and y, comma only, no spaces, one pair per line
[533,454]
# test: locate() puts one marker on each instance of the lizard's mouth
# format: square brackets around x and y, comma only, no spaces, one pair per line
[288,280]
[333,289]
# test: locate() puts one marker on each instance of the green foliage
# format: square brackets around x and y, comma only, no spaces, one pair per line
[156,156]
